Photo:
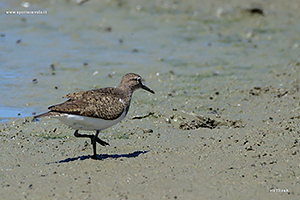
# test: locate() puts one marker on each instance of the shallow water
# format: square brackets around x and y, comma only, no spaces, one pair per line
[184,49]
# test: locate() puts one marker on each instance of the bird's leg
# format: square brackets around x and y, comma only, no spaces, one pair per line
[103,143]
[94,144]
[76,134]
[94,139]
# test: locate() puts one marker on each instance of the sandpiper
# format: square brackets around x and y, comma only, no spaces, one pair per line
[96,110]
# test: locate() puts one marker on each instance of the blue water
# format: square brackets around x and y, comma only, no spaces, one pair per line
[93,46]
[7,113]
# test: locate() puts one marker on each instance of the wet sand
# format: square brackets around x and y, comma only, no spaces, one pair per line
[223,124]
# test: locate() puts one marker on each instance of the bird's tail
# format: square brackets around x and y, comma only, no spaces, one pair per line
[47,114]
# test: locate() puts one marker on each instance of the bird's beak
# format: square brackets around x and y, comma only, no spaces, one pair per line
[148,89]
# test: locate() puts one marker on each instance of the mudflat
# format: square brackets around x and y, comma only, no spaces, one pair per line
[223,124]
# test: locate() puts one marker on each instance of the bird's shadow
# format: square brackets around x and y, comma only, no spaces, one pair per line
[102,157]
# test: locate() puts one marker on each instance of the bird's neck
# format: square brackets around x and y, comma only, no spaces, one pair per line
[127,94]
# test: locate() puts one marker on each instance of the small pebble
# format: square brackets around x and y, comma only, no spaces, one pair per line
[34,81]
[148,130]
[80,2]
[108,29]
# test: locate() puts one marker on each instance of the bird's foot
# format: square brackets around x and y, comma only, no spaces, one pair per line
[103,143]
[95,157]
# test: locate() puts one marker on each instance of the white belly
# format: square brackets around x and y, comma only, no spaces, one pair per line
[88,123]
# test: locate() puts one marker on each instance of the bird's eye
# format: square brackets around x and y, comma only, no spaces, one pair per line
[139,80]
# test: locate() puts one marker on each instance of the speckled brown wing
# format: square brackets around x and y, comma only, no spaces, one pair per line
[101,103]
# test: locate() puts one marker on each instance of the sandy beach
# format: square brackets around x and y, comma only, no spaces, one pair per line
[224,122]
